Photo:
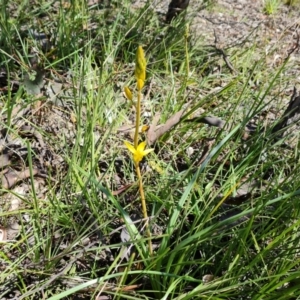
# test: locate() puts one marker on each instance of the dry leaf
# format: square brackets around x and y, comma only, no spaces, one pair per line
[122,189]
[155,132]
[11,178]
[3,234]
[4,161]
[73,118]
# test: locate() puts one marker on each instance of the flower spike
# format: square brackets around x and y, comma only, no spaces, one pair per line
[140,65]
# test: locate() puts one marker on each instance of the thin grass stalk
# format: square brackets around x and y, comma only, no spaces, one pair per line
[187,59]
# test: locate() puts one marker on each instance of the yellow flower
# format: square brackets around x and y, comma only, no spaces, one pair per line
[128,93]
[140,64]
[139,152]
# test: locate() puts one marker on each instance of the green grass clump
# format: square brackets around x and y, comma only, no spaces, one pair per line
[82,227]
[271,6]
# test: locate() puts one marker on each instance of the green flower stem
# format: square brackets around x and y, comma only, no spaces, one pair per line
[138,119]
[138,171]
[144,208]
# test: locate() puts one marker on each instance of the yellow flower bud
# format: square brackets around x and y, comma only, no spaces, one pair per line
[145,128]
[128,93]
[140,64]
[140,84]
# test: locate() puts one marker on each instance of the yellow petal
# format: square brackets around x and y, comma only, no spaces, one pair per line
[141,146]
[145,152]
[137,157]
[130,147]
